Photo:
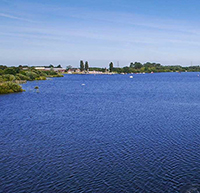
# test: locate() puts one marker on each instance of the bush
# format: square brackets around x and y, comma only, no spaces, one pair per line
[1,72]
[7,77]
[32,75]
[41,78]
[22,77]
[10,88]
[57,75]
[10,71]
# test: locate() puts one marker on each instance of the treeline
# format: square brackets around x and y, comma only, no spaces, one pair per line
[25,73]
[147,67]
[98,69]
[11,76]
[138,67]
[52,66]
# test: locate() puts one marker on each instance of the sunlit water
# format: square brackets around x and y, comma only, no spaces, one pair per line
[113,134]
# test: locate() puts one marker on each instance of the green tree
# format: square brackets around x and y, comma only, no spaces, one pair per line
[111,67]
[2,67]
[126,69]
[50,66]
[10,71]
[137,65]
[68,67]
[132,65]
[1,72]
[81,66]
[86,66]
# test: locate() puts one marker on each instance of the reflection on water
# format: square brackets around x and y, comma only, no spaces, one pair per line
[114,134]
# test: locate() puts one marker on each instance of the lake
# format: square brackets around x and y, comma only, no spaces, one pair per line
[102,133]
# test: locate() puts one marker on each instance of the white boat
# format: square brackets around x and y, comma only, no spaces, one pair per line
[131,76]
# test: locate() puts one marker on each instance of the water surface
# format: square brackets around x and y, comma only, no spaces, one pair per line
[113,134]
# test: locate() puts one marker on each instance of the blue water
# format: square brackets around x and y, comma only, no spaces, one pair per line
[113,134]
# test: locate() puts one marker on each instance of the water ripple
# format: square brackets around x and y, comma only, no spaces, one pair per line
[113,135]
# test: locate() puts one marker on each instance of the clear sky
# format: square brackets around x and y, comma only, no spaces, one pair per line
[43,32]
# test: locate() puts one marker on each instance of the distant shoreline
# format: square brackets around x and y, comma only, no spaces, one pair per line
[75,73]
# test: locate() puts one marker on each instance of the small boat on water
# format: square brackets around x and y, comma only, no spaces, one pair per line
[131,76]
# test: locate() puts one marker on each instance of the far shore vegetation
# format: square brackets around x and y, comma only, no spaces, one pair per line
[135,67]
[149,67]
[12,77]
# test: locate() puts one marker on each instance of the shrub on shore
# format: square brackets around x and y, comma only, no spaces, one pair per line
[22,77]
[7,77]
[57,75]
[10,87]
[41,78]
[27,75]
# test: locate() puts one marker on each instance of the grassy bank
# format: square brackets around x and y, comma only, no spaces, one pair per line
[11,77]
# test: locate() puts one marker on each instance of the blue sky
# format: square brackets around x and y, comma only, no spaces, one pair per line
[43,32]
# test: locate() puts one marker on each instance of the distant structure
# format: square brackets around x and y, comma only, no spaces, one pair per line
[72,70]
[43,68]
[40,68]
